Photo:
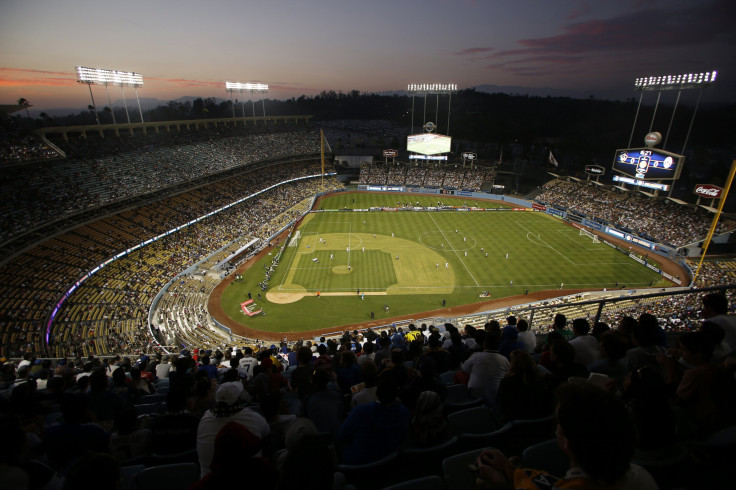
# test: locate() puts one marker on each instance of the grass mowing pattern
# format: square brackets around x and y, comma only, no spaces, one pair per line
[447,255]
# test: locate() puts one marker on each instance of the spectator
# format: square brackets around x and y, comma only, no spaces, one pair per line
[309,457]
[715,309]
[325,406]
[230,408]
[176,430]
[645,337]
[237,453]
[429,425]
[509,340]
[374,430]
[486,369]
[586,346]
[522,393]
[129,441]
[367,394]
[613,353]
[600,453]
[526,336]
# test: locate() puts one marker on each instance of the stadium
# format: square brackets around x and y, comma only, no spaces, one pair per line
[201,239]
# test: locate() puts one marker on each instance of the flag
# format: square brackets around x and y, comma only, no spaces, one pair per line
[552,159]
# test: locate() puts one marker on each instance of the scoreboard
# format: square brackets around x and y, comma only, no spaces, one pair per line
[428,143]
[648,163]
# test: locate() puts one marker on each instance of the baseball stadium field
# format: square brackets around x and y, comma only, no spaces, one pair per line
[343,266]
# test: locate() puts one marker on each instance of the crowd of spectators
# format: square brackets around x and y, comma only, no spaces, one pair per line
[16,147]
[108,313]
[657,219]
[300,410]
[99,171]
[455,176]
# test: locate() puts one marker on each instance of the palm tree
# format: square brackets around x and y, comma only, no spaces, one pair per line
[24,103]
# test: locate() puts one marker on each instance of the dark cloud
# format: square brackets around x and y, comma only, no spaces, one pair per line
[584,9]
[473,51]
[638,31]
[644,29]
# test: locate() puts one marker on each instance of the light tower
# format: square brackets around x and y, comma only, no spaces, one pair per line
[253,88]
[122,79]
[431,88]
[680,82]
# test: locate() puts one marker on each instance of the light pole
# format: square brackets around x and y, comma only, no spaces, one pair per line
[261,88]
[679,82]
[432,88]
[122,79]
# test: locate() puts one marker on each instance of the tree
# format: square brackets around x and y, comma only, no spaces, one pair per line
[24,103]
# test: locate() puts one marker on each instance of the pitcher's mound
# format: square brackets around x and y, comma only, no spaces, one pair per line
[294,294]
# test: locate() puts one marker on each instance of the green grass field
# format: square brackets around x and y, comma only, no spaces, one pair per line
[412,261]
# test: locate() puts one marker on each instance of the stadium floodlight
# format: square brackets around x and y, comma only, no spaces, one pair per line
[253,88]
[427,89]
[431,88]
[679,82]
[250,87]
[99,76]
[676,82]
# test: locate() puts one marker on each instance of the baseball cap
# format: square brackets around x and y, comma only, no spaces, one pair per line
[229,393]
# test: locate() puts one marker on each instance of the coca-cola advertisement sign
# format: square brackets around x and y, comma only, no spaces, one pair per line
[708,190]
[390,153]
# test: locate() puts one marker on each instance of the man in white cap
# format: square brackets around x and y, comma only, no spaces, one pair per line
[230,399]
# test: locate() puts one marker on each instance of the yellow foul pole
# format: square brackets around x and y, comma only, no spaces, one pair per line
[322,155]
[715,218]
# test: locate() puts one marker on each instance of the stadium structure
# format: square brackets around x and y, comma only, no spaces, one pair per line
[115,236]
[112,198]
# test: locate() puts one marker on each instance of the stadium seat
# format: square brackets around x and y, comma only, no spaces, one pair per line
[150,408]
[373,475]
[448,377]
[432,482]
[127,475]
[179,475]
[527,432]
[188,456]
[500,439]
[475,420]
[430,457]
[458,472]
[669,466]
[460,398]
[546,456]
[157,398]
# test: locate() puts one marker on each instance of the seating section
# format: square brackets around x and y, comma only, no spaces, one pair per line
[108,313]
[447,176]
[656,219]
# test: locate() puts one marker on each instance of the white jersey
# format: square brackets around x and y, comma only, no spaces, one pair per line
[247,365]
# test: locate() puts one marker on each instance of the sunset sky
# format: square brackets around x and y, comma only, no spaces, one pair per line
[190,48]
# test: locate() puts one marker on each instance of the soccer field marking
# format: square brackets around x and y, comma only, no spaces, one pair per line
[456,253]
[472,244]
[568,235]
[544,244]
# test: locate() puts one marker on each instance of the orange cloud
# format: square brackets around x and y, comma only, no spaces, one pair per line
[21,77]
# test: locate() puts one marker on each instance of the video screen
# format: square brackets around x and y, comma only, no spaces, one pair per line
[648,163]
[428,143]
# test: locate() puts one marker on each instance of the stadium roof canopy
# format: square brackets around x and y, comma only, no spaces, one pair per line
[11,108]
